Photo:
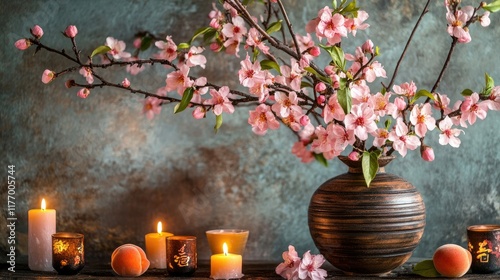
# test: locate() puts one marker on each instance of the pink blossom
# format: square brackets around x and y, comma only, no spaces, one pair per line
[126,83]
[87,73]
[194,57]
[441,103]
[22,44]
[137,43]
[405,89]
[382,106]
[83,93]
[427,153]
[333,110]
[485,19]
[310,267]
[179,80]
[448,134]
[168,49]
[320,87]
[37,31]
[330,26]
[367,46]
[285,103]
[374,70]
[400,103]
[456,24]
[151,107]
[199,112]
[354,24]
[493,101]
[135,68]
[472,108]
[354,156]
[292,74]
[421,118]
[402,140]
[261,119]
[321,99]
[232,46]
[117,48]
[381,135]
[360,93]
[293,119]
[361,120]
[300,150]
[342,136]
[71,31]
[254,40]
[48,76]
[220,101]
[216,17]
[315,51]
[248,72]
[236,29]
[289,268]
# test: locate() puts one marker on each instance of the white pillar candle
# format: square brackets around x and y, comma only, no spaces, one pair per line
[41,226]
[156,248]
[225,265]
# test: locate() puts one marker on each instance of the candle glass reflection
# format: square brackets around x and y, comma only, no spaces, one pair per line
[68,256]
[236,240]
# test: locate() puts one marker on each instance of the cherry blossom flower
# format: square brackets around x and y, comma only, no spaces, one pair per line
[289,268]
[261,119]
[179,80]
[83,93]
[216,17]
[71,31]
[405,89]
[168,49]
[37,31]
[22,44]
[456,24]
[300,150]
[232,46]
[48,76]
[87,73]
[236,29]
[472,109]
[333,110]
[493,101]
[328,26]
[441,103]
[249,72]
[354,156]
[342,137]
[381,135]
[360,93]
[292,74]
[421,118]
[484,20]
[285,103]
[151,107]
[354,24]
[382,106]
[126,83]
[310,267]
[199,112]
[220,101]
[194,57]
[448,134]
[117,48]
[361,120]
[254,39]
[402,140]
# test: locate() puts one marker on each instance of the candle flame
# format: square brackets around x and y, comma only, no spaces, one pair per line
[158,228]
[224,248]
[43,204]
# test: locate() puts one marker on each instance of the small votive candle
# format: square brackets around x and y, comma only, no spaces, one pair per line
[225,265]
[156,247]
[68,252]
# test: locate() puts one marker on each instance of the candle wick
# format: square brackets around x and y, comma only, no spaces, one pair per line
[225,253]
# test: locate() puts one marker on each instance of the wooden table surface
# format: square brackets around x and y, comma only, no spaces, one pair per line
[251,270]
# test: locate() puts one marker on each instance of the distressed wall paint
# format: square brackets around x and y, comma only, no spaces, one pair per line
[112,174]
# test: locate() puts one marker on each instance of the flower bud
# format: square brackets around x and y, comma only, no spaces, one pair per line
[22,44]
[354,156]
[320,87]
[126,83]
[315,51]
[69,83]
[137,43]
[37,31]
[83,93]
[427,153]
[71,31]
[367,47]
[199,113]
[48,76]
[304,120]
[321,99]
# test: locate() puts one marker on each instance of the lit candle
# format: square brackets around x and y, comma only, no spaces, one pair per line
[156,247]
[41,226]
[225,265]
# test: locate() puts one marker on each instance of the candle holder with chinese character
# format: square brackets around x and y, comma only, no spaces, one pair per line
[236,240]
[484,246]
[67,252]
[181,255]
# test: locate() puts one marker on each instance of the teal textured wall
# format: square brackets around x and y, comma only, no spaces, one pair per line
[112,174]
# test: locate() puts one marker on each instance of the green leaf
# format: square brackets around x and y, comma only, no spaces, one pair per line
[218,122]
[304,84]
[183,46]
[345,99]
[388,124]
[490,84]
[426,269]
[146,42]
[315,73]
[186,98]
[199,32]
[334,4]
[210,35]
[420,93]
[100,50]
[337,55]
[492,7]
[467,92]
[370,165]
[275,26]
[269,64]
[321,159]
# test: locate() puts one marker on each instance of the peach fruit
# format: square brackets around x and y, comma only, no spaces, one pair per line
[451,260]
[129,260]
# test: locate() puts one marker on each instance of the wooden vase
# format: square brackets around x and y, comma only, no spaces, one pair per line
[366,230]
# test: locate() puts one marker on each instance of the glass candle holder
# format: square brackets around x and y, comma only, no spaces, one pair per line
[182,257]
[236,240]
[68,252]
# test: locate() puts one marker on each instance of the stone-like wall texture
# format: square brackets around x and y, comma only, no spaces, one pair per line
[112,174]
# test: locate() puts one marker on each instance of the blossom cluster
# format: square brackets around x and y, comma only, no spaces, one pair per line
[294,268]
[329,105]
